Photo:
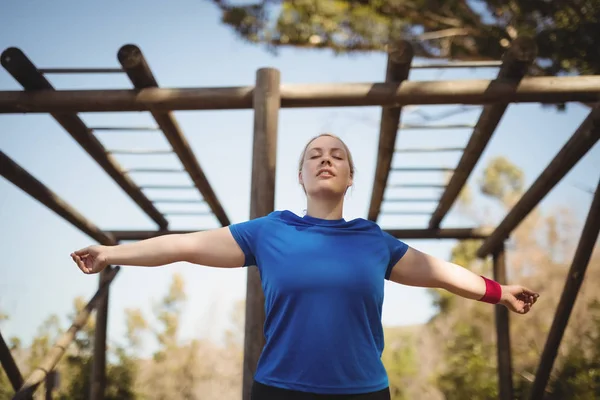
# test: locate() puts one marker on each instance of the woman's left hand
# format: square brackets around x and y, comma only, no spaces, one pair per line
[518,299]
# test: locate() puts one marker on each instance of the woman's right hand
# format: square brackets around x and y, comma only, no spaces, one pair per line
[92,259]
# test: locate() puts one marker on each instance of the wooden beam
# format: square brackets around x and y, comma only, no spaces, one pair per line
[546,89]
[581,259]
[262,202]
[135,65]
[14,173]
[446,233]
[505,382]
[25,72]
[515,64]
[52,358]
[10,366]
[398,68]
[576,147]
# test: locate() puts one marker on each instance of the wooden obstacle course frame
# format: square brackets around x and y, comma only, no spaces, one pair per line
[267,97]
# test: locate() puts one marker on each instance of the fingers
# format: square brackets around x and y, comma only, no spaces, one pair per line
[82,252]
[529,292]
[86,269]
[79,263]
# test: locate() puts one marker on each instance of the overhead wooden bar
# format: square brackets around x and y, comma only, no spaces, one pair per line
[422,169]
[80,70]
[140,151]
[436,127]
[14,173]
[516,61]
[54,355]
[124,128]
[574,279]
[262,201]
[9,365]
[458,64]
[154,170]
[547,89]
[134,63]
[417,185]
[446,233]
[429,150]
[410,200]
[23,70]
[576,147]
[397,70]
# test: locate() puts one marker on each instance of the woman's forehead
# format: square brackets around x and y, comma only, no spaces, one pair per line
[326,143]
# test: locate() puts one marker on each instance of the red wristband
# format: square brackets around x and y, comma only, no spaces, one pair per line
[493,291]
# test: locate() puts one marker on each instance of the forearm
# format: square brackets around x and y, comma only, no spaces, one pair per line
[152,252]
[459,280]
[420,269]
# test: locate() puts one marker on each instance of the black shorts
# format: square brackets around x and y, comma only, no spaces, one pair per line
[264,392]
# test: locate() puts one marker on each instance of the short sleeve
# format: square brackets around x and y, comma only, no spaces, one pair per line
[246,235]
[397,249]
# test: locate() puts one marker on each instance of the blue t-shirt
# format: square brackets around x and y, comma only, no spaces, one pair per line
[323,283]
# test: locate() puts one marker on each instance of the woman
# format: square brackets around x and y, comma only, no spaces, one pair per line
[323,279]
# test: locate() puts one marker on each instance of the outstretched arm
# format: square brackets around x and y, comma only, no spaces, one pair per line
[215,248]
[416,268]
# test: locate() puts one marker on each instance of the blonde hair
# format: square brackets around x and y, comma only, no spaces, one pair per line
[350,160]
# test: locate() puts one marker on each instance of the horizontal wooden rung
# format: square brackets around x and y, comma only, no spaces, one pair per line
[458,64]
[400,212]
[190,213]
[179,201]
[156,170]
[140,151]
[168,187]
[409,200]
[422,169]
[124,128]
[80,70]
[429,150]
[417,185]
[449,126]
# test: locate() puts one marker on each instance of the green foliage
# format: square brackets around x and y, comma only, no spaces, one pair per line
[168,313]
[579,375]
[6,390]
[502,180]
[471,366]
[565,32]
[399,359]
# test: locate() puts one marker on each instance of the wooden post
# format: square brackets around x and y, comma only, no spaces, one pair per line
[505,382]
[397,70]
[98,379]
[579,265]
[51,383]
[262,202]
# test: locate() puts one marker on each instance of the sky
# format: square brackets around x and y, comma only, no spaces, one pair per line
[186,46]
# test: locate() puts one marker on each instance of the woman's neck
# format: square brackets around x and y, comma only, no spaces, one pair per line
[326,209]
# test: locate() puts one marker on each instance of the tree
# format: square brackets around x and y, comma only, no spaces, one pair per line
[565,32]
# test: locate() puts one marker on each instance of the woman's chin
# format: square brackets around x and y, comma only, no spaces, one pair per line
[325,189]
